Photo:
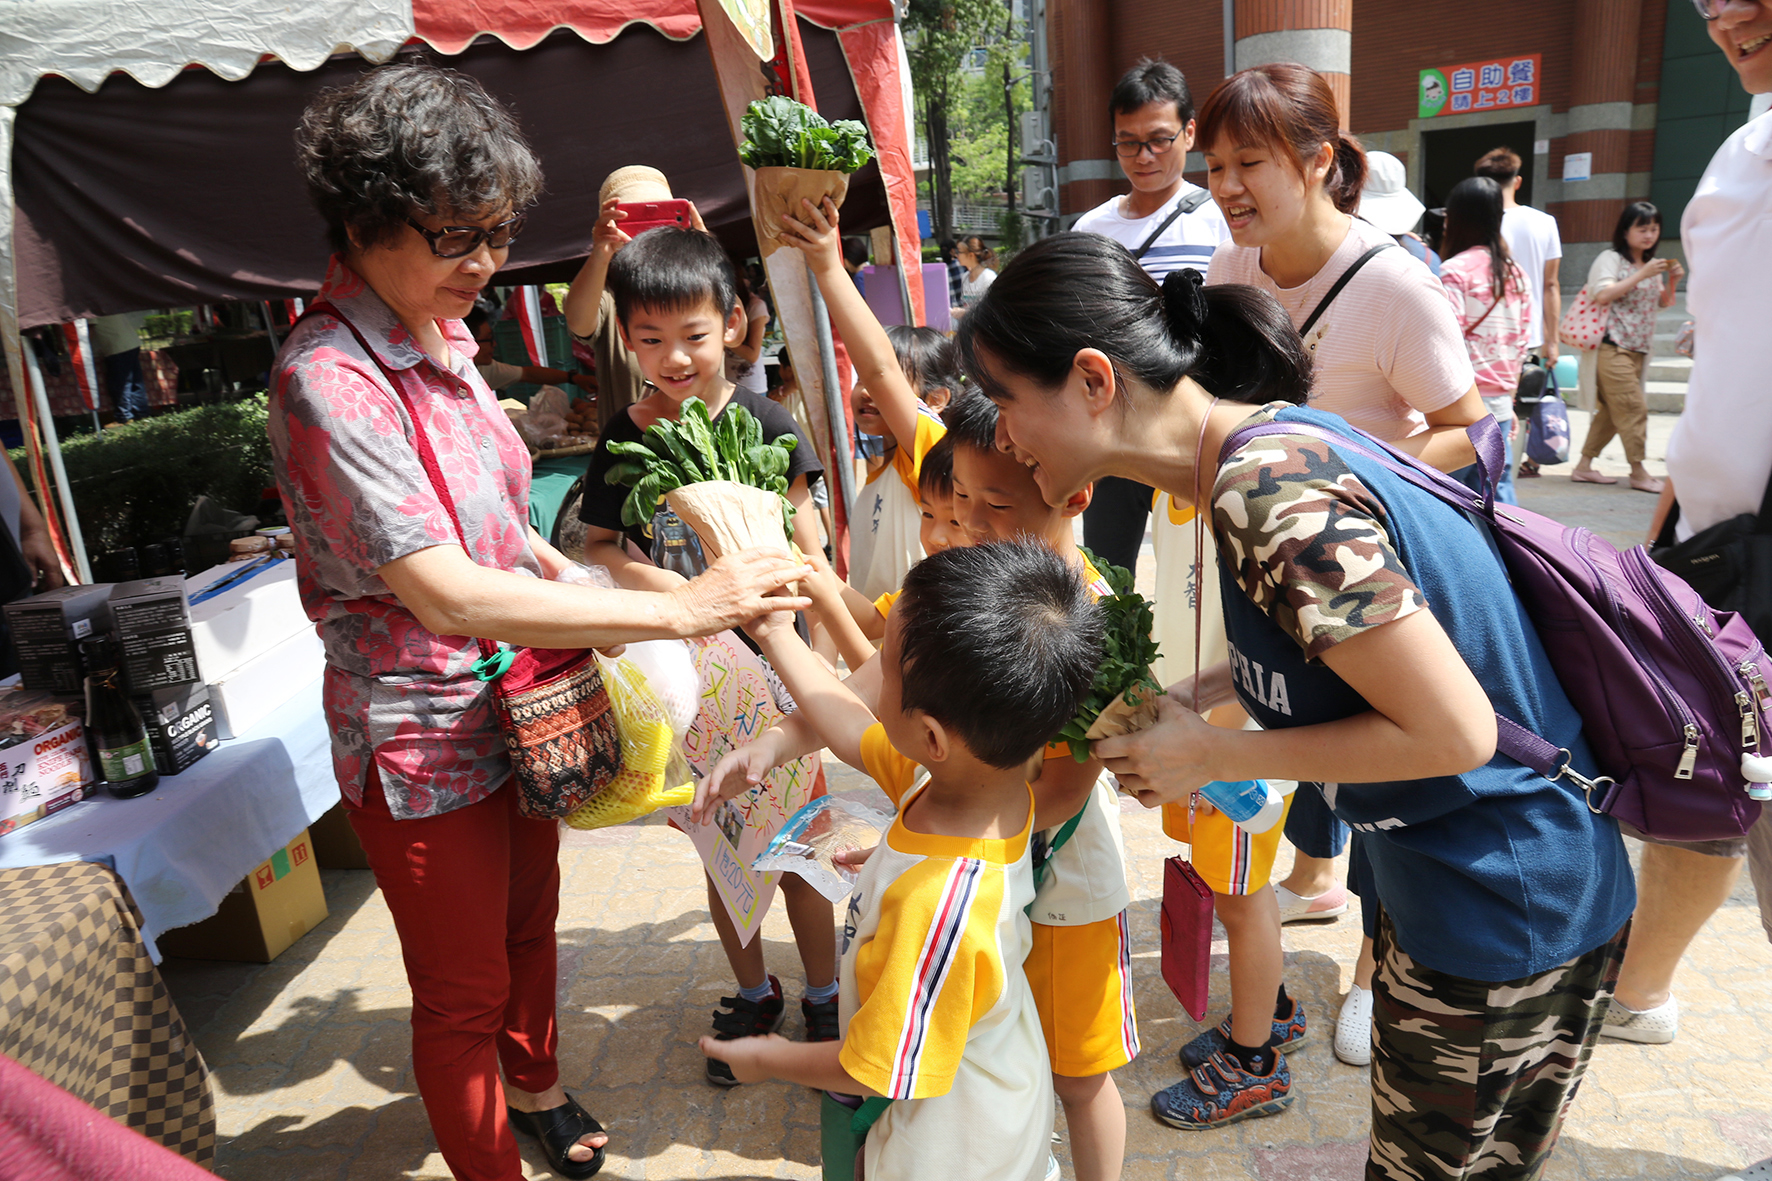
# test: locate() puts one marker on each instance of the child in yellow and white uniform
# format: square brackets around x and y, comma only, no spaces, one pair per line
[1080,965]
[1235,863]
[936,1010]
[988,650]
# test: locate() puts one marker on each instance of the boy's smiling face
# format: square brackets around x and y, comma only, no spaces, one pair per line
[683,352]
[996,499]
[937,529]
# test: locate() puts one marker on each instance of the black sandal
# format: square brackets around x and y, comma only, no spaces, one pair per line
[559,1129]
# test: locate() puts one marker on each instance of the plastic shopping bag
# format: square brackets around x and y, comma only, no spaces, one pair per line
[811,839]
[652,720]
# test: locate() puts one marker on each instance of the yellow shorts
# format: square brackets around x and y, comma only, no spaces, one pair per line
[1082,982]
[1231,860]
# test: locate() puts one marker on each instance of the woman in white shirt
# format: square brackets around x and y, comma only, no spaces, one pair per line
[1388,355]
[977,258]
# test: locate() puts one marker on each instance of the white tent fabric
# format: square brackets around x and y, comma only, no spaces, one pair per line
[85,41]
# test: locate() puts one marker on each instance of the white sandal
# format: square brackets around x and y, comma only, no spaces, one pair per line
[1353,1028]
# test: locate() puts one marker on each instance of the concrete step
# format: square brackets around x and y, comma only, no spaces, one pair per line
[1665,397]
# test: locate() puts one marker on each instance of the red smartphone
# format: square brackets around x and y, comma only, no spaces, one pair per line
[649,215]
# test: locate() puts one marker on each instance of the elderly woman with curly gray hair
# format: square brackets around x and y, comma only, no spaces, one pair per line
[424,181]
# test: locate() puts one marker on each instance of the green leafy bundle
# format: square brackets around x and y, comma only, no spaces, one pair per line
[695,449]
[781,133]
[1126,655]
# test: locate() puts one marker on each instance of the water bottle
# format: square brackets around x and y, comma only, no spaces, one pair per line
[1252,804]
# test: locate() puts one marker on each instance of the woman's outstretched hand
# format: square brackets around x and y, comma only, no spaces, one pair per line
[815,234]
[737,589]
[1166,762]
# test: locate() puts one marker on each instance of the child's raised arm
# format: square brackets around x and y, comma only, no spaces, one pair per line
[837,714]
[847,614]
[876,363]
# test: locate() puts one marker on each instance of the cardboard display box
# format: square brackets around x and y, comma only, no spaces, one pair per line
[42,775]
[181,725]
[246,619]
[335,842]
[153,628]
[246,695]
[46,633]
[260,918]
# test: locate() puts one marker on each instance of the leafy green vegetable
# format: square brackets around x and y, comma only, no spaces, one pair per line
[1126,655]
[781,133]
[695,449]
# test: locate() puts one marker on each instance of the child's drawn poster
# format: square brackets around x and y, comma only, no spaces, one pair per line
[740,698]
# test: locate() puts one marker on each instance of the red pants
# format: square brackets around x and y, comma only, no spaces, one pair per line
[474,894]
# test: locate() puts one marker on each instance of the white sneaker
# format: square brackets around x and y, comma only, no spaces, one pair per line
[1051,1168]
[1759,1172]
[1353,1028]
[1653,1027]
[1295,908]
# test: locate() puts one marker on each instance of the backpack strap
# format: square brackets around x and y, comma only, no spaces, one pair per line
[1511,739]
[1187,204]
[1346,276]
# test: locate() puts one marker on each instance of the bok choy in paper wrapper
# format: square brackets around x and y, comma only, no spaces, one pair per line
[1123,697]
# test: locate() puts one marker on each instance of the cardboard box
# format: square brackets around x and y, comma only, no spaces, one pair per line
[40,776]
[335,842]
[274,905]
[153,628]
[243,621]
[46,632]
[181,725]
[248,694]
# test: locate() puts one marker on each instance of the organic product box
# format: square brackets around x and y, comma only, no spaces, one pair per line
[153,626]
[274,905]
[46,631]
[242,610]
[181,725]
[43,762]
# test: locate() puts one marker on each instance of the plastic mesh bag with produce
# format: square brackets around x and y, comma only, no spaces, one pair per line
[653,689]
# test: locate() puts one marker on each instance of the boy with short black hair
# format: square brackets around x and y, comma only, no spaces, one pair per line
[988,651]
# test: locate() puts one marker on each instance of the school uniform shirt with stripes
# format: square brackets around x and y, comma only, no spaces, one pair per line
[936,1010]
[1188,241]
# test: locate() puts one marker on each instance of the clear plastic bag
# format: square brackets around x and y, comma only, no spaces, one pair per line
[812,837]
[654,770]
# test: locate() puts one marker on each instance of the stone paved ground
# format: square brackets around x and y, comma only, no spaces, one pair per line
[313,1080]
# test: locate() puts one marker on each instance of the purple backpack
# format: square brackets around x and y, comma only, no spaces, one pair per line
[1671,693]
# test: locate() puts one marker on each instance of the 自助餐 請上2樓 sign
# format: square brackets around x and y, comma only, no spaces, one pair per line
[1493,85]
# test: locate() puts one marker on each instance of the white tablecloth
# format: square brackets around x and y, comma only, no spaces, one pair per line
[180,848]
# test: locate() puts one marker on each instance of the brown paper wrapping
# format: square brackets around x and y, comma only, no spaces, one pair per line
[779,191]
[729,517]
[1126,716]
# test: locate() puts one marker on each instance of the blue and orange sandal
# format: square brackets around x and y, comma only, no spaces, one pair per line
[1220,1092]
[1288,1031]
[559,1129]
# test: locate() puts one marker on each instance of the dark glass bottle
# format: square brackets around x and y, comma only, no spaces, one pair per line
[116,736]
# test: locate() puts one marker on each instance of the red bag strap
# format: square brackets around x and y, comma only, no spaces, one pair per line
[427,454]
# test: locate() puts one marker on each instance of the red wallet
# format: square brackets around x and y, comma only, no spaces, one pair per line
[1187,935]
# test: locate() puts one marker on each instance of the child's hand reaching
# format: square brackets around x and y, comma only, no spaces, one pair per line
[815,234]
[741,770]
[745,1055]
[608,233]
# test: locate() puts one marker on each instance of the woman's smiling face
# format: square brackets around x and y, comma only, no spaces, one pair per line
[1048,430]
[1259,188]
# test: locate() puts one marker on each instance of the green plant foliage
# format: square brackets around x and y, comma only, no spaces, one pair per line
[781,133]
[1126,654]
[135,484]
[696,448]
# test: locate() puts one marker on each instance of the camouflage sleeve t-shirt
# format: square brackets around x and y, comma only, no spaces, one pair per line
[1307,541]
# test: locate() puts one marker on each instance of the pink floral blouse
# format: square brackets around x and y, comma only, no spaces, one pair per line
[1495,334]
[357,498]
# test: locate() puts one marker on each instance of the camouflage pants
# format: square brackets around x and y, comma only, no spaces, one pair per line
[1472,1079]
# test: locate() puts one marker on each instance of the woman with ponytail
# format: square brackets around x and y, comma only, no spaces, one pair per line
[1374,635]
[1388,355]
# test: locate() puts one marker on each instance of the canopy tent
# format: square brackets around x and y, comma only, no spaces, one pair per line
[175,185]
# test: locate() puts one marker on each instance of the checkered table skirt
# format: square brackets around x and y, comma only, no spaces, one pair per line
[82,1005]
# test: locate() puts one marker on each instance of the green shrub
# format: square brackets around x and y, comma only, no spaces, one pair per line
[135,484]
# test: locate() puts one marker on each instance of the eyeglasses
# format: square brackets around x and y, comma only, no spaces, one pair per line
[1158,146]
[456,241]
[1710,10]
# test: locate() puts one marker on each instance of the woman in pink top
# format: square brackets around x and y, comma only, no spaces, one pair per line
[1489,301]
[1387,353]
